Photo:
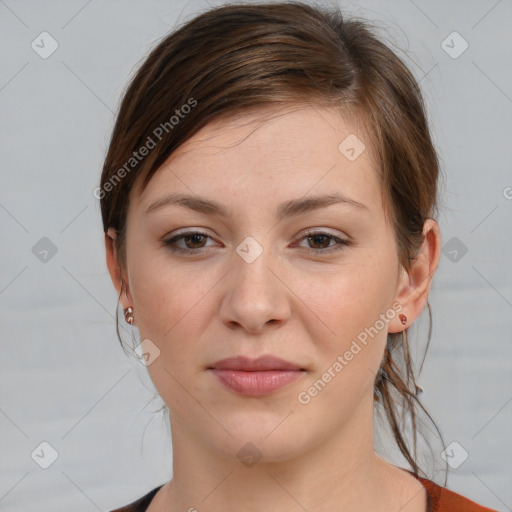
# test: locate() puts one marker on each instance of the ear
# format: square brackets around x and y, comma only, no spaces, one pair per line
[414,285]
[114,269]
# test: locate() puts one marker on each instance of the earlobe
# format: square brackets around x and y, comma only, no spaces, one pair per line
[414,285]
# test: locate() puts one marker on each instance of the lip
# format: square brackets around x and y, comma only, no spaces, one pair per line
[256,377]
[263,363]
[256,384]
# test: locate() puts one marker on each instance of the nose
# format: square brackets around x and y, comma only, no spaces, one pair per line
[255,296]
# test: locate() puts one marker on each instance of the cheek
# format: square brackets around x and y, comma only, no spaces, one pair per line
[346,301]
[348,342]
[347,329]
[169,310]
[169,298]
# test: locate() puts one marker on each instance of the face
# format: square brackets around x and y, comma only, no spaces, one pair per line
[314,286]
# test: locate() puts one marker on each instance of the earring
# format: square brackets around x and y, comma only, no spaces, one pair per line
[403,319]
[128,315]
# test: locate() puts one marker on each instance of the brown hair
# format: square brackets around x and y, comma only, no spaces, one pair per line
[236,57]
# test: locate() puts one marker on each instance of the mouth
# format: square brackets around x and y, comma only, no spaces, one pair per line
[256,377]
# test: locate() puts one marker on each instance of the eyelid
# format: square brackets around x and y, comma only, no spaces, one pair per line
[325,231]
[302,234]
[186,232]
[341,241]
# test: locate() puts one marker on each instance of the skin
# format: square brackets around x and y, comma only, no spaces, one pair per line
[290,302]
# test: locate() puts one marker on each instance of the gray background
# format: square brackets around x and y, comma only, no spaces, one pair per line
[65,379]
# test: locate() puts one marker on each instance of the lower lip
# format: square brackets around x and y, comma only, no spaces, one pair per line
[256,383]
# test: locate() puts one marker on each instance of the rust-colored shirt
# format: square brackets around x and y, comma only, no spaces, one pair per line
[439,499]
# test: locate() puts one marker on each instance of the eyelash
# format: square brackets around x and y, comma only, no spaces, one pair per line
[171,241]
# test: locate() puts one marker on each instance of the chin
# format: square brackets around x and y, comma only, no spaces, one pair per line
[267,440]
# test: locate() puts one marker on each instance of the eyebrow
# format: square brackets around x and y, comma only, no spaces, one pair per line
[287,209]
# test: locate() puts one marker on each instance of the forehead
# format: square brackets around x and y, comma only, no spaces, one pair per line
[273,152]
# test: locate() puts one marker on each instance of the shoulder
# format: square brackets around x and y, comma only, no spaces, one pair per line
[441,499]
[141,504]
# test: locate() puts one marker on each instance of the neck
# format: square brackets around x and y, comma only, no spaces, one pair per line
[341,472]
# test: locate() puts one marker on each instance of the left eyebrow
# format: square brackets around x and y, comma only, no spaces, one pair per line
[287,209]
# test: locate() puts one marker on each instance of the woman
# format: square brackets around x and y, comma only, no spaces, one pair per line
[268,200]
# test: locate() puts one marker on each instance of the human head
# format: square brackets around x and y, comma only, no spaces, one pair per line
[238,60]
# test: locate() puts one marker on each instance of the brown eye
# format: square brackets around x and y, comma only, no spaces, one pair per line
[320,242]
[196,239]
[194,242]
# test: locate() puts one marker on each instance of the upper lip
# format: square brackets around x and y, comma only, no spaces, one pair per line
[263,363]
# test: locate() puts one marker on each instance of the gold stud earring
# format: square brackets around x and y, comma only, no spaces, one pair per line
[128,315]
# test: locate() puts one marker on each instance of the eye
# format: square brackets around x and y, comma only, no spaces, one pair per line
[320,239]
[194,242]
